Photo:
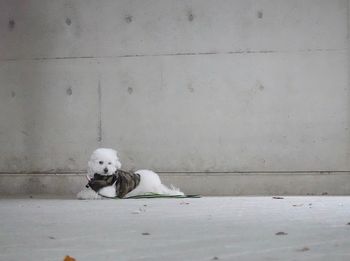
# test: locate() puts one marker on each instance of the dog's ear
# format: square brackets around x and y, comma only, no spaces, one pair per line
[118,165]
[114,152]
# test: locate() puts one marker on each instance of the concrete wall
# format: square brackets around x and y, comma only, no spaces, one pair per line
[253,95]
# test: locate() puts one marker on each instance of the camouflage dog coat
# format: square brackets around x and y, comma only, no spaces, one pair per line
[124,182]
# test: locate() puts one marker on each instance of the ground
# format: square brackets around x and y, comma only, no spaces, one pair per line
[208,228]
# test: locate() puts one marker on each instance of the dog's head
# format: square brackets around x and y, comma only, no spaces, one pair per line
[104,162]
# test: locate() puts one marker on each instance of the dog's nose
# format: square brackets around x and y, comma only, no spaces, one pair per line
[105,170]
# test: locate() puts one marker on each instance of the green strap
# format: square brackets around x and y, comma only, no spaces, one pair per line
[155,195]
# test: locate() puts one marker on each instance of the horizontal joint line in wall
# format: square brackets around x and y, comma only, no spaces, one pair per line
[254,171]
[169,54]
[83,172]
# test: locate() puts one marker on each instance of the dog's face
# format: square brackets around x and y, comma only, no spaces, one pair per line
[104,162]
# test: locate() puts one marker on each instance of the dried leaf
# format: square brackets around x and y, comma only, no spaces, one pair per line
[281,233]
[304,249]
[278,197]
[68,258]
[298,205]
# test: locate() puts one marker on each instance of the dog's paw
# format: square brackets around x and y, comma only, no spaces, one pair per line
[108,192]
[88,193]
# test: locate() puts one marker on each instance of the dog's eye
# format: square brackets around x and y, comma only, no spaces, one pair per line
[101,162]
[109,163]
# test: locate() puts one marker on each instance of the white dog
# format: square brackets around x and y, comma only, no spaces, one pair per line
[104,166]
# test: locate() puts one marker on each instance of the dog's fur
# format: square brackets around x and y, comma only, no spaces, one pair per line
[105,161]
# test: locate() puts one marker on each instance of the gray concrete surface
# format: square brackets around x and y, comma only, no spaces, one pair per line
[207,184]
[196,86]
[226,228]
